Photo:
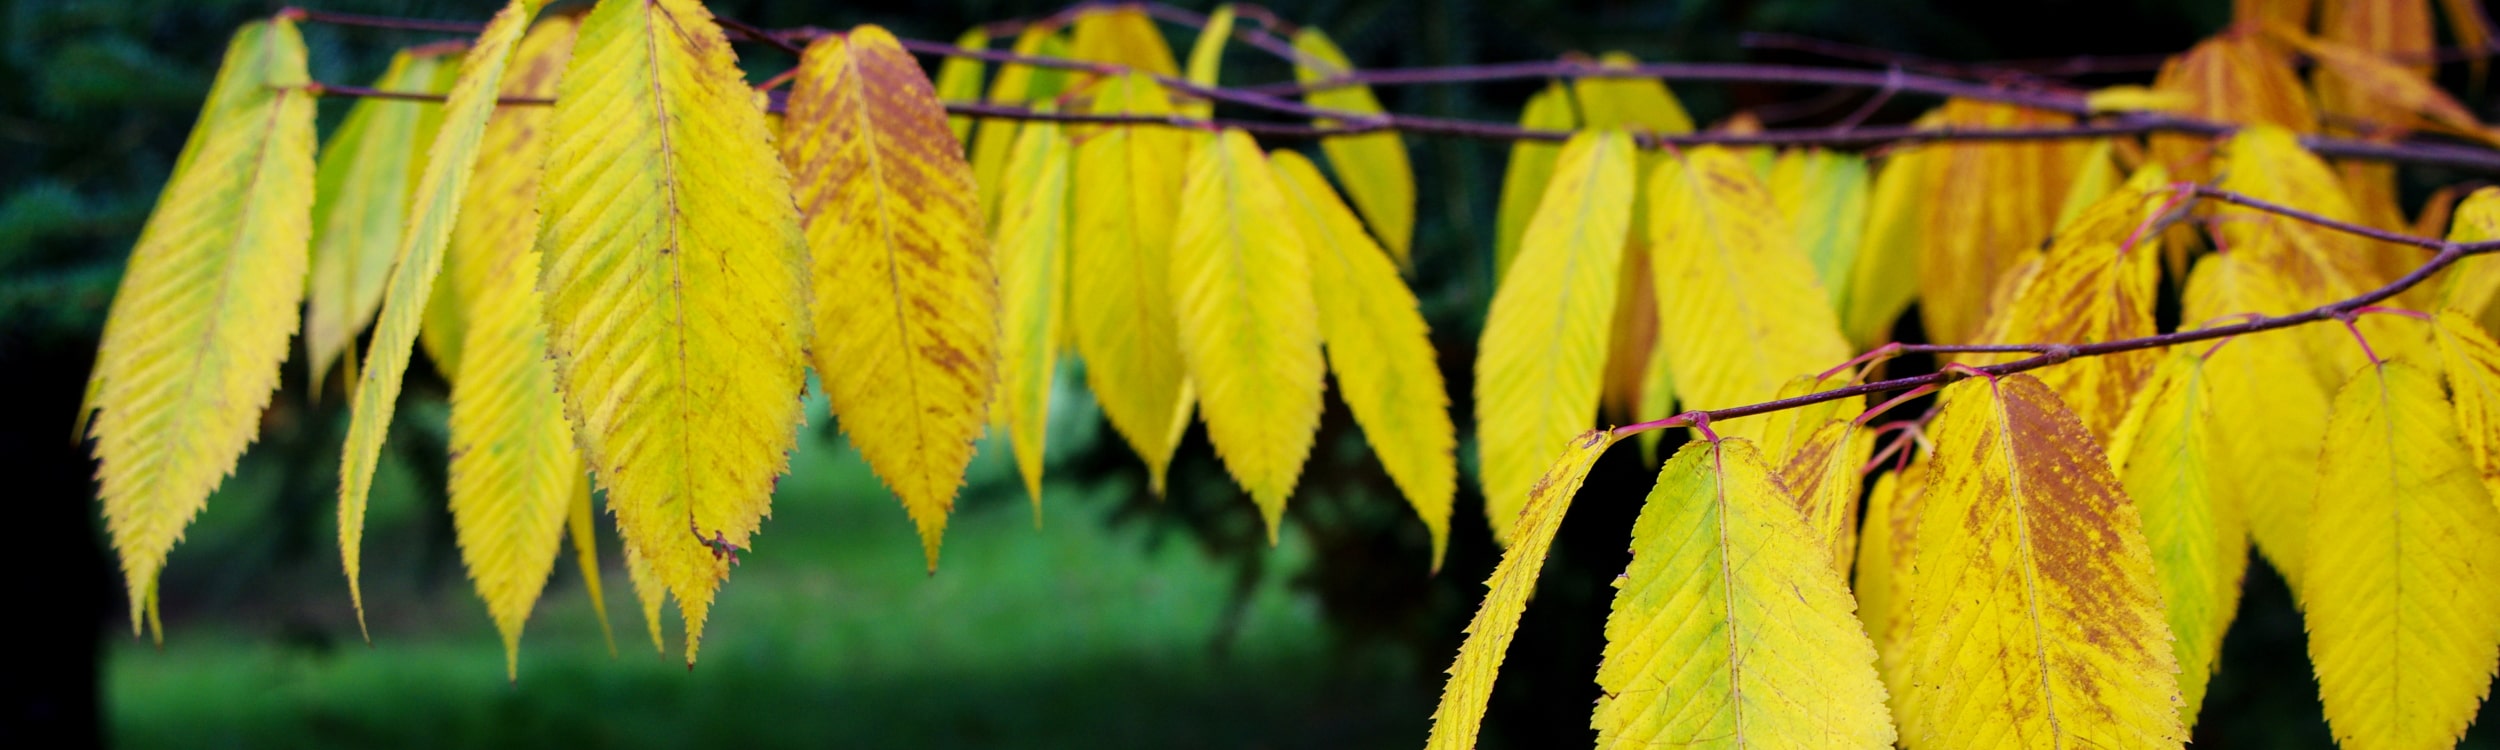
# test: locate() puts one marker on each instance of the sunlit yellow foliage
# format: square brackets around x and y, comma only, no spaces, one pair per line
[1249,325]
[2165,455]
[1373,166]
[1128,185]
[200,324]
[1544,341]
[1033,280]
[1530,169]
[1489,633]
[2403,619]
[367,171]
[908,295]
[1731,624]
[676,293]
[1730,276]
[2026,544]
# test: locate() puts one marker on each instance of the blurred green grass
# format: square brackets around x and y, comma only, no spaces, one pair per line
[1083,633]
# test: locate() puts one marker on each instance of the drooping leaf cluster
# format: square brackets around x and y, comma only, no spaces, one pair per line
[629,267]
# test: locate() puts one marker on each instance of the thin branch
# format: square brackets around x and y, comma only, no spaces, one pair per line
[2070,102]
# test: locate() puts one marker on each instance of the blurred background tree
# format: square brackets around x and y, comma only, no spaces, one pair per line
[1124,621]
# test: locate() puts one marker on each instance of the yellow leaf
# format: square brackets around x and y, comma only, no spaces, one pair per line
[2234,77]
[1980,205]
[501,205]
[1206,57]
[2359,83]
[2095,179]
[2320,264]
[449,164]
[1544,340]
[2403,619]
[2199,540]
[676,289]
[515,470]
[906,314]
[648,589]
[1373,165]
[995,139]
[1731,627]
[1822,194]
[1249,323]
[2473,283]
[2472,362]
[959,80]
[1122,35]
[2261,379]
[1739,313]
[1531,168]
[1630,103]
[1033,280]
[2027,546]
[1128,183]
[360,203]
[1379,347]
[2132,98]
[2096,284]
[1885,552]
[1885,277]
[1456,721]
[199,327]
[578,520]
[1821,473]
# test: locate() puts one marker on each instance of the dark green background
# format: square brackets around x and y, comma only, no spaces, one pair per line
[1125,622]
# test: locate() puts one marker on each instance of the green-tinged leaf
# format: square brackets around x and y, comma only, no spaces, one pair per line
[1531,168]
[1457,720]
[959,79]
[449,163]
[1033,278]
[1379,347]
[579,520]
[1544,341]
[995,139]
[2027,545]
[367,172]
[1823,196]
[1127,190]
[515,471]
[2402,613]
[1373,166]
[906,310]
[199,327]
[2266,474]
[676,289]
[1249,323]
[1731,628]
[2165,454]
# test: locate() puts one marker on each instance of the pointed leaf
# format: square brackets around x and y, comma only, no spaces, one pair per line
[1033,279]
[1379,347]
[578,525]
[515,470]
[2403,619]
[1544,341]
[906,314]
[1456,722]
[199,327]
[2261,379]
[1373,166]
[1249,324]
[995,139]
[1128,181]
[449,163]
[1731,628]
[1206,57]
[2031,615]
[2199,541]
[959,80]
[1731,279]
[676,286]
[1122,35]
[1531,168]
[367,172]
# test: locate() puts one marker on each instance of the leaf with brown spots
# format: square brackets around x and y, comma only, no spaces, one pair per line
[906,303]
[2031,616]
[2096,283]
